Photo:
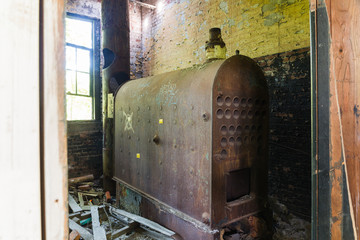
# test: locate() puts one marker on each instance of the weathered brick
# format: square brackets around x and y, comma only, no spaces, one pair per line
[290,118]
[181,27]
[86,158]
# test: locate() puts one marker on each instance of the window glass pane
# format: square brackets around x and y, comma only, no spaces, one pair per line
[83,83]
[78,107]
[70,82]
[79,32]
[83,60]
[79,102]
[70,58]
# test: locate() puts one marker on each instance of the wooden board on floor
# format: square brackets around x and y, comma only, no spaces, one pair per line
[73,205]
[99,232]
[86,235]
[144,221]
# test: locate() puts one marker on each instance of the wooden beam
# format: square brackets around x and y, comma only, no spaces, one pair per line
[99,232]
[80,215]
[82,231]
[73,205]
[131,227]
[144,221]
[155,235]
[53,134]
[74,235]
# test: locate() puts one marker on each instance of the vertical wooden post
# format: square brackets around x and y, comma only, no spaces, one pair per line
[54,137]
[115,27]
[19,121]
[336,171]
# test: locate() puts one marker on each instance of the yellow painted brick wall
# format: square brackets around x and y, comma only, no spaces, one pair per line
[175,34]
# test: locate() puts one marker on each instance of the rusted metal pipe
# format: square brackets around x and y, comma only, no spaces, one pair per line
[215,47]
[116,49]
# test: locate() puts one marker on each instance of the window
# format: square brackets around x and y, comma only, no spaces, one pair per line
[82,84]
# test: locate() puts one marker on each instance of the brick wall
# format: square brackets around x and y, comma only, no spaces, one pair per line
[85,138]
[288,77]
[89,8]
[136,53]
[176,35]
[84,150]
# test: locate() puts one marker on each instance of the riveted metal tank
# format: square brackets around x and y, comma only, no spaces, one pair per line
[194,143]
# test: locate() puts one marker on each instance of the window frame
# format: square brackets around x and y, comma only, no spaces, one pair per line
[95,76]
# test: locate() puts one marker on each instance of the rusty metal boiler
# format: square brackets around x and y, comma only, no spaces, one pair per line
[194,144]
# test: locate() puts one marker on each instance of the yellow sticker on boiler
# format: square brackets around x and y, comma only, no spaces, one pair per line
[138,155]
[161,121]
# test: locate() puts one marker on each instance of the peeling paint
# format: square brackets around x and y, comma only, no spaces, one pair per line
[224,7]
[268,7]
[273,19]
[199,13]
[231,22]
[257,28]
[167,94]
[202,26]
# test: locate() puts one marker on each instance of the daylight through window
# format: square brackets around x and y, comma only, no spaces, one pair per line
[79,69]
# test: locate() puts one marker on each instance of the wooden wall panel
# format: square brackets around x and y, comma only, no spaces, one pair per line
[19,120]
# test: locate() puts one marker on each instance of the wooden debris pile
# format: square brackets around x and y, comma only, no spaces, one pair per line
[93,217]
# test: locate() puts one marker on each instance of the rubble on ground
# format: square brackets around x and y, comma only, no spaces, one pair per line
[287,226]
[93,216]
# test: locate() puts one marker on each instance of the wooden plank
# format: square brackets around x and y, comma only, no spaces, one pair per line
[86,207]
[125,230]
[82,231]
[81,200]
[80,215]
[154,235]
[99,232]
[19,120]
[344,18]
[54,121]
[92,194]
[73,205]
[74,235]
[144,221]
